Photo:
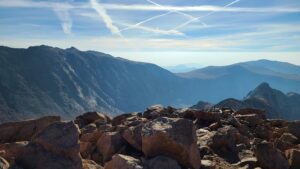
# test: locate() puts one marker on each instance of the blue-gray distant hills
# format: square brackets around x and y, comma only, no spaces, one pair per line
[43,80]
[235,81]
[277,104]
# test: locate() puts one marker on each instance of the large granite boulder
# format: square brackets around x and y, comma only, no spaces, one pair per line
[109,144]
[224,142]
[269,157]
[24,130]
[172,137]
[133,135]
[55,147]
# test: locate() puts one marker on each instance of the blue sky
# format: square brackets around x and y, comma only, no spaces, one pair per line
[164,32]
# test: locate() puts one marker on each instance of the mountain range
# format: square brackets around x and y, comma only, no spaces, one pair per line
[182,68]
[44,80]
[274,102]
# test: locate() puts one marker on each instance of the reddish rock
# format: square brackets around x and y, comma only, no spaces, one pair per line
[263,132]
[24,130]
[97,157]
[133,135]
[120,119]
[90,128]
[89,164]
[172,137]
[251,119]
[207,116]
[203,137]
[131,119]
[91,137]
[3,163]
[278,123]
[269,157]
[294,128]
[55,147]
[250,162]
[156,111]
[214,126]
[123,162]
[293,157]
[9,151]
[91,117]
[249,111]
[282,145]
[278,132]
[109,144]
[207,164]
[224,141]
[162,162]
[288,138]
[86,149]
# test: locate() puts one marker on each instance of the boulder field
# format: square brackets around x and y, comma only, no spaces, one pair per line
[159,138]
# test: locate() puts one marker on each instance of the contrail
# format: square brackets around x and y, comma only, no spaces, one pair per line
[144,21]
[156,17]
[201,17]
[158,31]
[106,18]
[178,12]
[187,15]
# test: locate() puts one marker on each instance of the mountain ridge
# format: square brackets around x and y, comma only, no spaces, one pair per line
[44,80]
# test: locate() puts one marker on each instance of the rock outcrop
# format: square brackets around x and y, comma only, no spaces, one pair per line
[57,147]
[24,130]
[173,137]
[159,138]
[270,158]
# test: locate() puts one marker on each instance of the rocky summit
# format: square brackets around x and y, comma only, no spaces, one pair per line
[159,138]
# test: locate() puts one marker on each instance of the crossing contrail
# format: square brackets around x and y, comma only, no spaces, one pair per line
[175,11]
[201,17]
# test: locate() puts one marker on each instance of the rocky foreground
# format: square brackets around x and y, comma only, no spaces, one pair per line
[159,138]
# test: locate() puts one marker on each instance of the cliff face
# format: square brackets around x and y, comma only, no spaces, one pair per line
[159,138]
[50,81]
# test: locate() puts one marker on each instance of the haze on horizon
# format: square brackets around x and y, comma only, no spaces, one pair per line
[164,32]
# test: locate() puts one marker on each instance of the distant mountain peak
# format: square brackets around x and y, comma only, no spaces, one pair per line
[40,46]
[263,86]
[262,90]
[72,48]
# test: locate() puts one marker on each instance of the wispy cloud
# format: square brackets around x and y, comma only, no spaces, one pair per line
[65,18]
[106,18]
[61,10]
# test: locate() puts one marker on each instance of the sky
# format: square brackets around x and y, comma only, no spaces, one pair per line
[164,32]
